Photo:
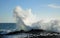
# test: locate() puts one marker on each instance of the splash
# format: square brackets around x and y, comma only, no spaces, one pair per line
[26,21]
[24,18]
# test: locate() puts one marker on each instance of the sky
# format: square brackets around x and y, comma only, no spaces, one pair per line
[41,8]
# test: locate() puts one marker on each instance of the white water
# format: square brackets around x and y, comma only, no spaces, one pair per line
[25,18]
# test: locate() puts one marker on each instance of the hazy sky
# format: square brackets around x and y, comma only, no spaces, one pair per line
[41,8]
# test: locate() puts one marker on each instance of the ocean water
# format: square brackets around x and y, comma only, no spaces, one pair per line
[7,26]
[12,26]
[4,27]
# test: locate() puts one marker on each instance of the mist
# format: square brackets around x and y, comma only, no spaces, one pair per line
[26,20]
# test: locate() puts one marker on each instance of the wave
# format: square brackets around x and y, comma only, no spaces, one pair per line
[26,21]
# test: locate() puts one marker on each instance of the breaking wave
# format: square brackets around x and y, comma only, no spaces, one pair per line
[26,21]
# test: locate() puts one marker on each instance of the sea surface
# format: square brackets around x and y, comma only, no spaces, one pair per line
[7,26]
[4,27]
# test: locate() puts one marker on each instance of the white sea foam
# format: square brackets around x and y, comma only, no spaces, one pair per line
[25,18]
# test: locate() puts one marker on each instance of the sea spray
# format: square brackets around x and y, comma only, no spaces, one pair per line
[23,18]
[26,21]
